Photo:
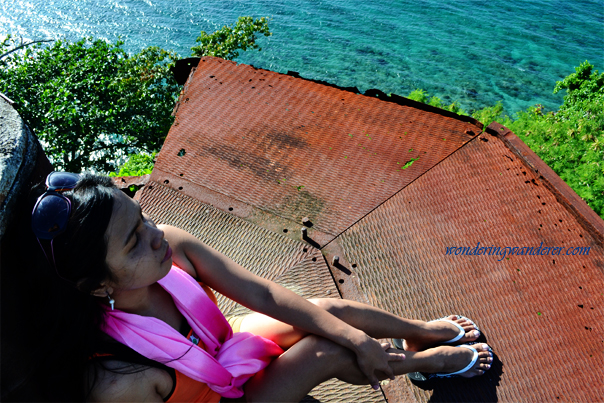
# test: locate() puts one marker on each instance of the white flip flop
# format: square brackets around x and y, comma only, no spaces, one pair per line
[421,376]
[398,343]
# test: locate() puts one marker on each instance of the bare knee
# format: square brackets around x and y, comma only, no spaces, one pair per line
[335,306]
[309,362]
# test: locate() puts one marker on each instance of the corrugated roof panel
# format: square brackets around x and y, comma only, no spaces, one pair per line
[542,314]
[296,148]
[394,185]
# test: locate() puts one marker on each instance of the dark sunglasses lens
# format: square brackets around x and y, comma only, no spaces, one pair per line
[61,180]
[50,216]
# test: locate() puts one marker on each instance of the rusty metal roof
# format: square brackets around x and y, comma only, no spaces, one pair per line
[387,186]
[284,145]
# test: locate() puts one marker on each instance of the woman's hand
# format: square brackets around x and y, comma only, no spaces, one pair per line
[372,356]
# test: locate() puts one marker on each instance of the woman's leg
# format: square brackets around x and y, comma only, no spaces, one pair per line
[376,322]
[314,360]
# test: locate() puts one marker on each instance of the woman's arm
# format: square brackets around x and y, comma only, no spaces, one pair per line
[261,295]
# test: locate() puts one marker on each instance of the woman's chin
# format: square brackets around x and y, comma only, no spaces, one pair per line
[167,266]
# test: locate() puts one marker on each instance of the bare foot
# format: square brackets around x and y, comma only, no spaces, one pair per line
[455,359]
[440,331]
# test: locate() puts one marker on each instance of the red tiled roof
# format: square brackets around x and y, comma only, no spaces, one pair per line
[388,187]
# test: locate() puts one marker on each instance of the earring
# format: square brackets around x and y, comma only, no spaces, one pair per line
[111,301]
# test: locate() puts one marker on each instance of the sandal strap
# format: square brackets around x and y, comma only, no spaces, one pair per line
[398,343]
[461,331]
[421,376]
[459,335]
[467,367]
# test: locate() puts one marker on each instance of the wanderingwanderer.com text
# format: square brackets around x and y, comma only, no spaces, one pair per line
[518,251]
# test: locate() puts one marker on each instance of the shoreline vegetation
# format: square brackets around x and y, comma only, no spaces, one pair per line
[569,140]
[93,106]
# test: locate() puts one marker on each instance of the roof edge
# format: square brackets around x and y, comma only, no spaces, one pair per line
[183,69]
[576,206]
[397,99]
[394,98]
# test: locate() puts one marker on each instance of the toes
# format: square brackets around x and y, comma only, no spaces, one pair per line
[472,334]
[484,367]
[470,329]
[467,325]
[480,369]
[482,347]
[484,354]
[485,358]
[463,322]
[458,319]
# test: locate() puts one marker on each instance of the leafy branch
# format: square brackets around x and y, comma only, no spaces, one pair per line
[226,42]
[92,104]
[21,45]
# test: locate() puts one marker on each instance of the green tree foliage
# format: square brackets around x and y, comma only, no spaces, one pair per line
[137,165]
[89,102]
[489,114]
[584,97]
[226,42]
[92,104]
[422,96]
[571,140]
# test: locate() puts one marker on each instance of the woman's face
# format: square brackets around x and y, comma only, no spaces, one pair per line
[137,253]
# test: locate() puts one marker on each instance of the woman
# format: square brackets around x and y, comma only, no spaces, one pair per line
[99,242]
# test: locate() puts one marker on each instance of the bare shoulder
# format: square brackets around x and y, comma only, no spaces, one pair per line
[117,381]
[215,269]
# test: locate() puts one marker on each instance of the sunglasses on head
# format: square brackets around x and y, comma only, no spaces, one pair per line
[51,213]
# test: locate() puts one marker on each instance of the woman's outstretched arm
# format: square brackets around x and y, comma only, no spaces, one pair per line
[271,299]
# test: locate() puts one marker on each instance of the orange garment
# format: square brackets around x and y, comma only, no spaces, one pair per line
[190,390]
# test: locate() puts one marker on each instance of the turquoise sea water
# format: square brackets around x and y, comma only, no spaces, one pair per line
[475,52]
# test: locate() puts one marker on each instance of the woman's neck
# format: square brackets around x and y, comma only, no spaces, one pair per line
[151,301]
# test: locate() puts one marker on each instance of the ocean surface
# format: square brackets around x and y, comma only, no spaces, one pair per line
[475,52]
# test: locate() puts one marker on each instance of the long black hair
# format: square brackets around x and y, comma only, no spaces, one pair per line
[50,320]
